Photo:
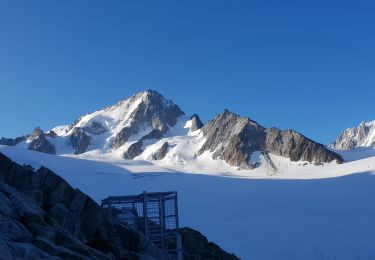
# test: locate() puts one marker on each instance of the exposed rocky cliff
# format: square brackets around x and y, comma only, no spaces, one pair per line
[39,142]
[43,217]
[293,145]
[197,247]
[136,148]
[95,128]
[161,152]
[360,136]
[79,140]
[234,139]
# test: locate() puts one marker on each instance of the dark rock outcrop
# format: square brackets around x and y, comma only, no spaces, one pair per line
[11,141]
[95,128]
[7,141]
[79,140]
[153,111]
[123,136]
[154,134]
[197,247]
[196,123]
[136,148]
[40,143]
[36,133]
[234,139]
[161,152]
[297,147]
[43,217]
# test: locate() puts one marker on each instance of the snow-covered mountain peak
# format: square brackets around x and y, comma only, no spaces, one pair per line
[113,126]
[147,126]
[361,136]
[126,111]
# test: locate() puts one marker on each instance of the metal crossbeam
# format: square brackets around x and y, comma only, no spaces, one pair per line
[155,214]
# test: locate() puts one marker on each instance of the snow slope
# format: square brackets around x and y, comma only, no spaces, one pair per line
[310,212]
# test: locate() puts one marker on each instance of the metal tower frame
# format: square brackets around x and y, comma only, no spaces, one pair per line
[154,213]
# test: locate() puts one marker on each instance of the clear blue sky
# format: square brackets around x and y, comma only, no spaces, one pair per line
[306,65]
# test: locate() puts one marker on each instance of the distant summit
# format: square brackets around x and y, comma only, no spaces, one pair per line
[359,136]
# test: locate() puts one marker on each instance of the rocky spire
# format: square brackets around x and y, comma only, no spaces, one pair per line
[196,123]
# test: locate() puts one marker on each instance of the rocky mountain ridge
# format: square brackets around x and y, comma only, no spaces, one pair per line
[235,139]
[134,125]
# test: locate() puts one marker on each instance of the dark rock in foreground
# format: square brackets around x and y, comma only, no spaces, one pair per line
[43,217]
[197,247]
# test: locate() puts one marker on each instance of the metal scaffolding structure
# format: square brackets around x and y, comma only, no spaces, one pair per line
[154,213]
